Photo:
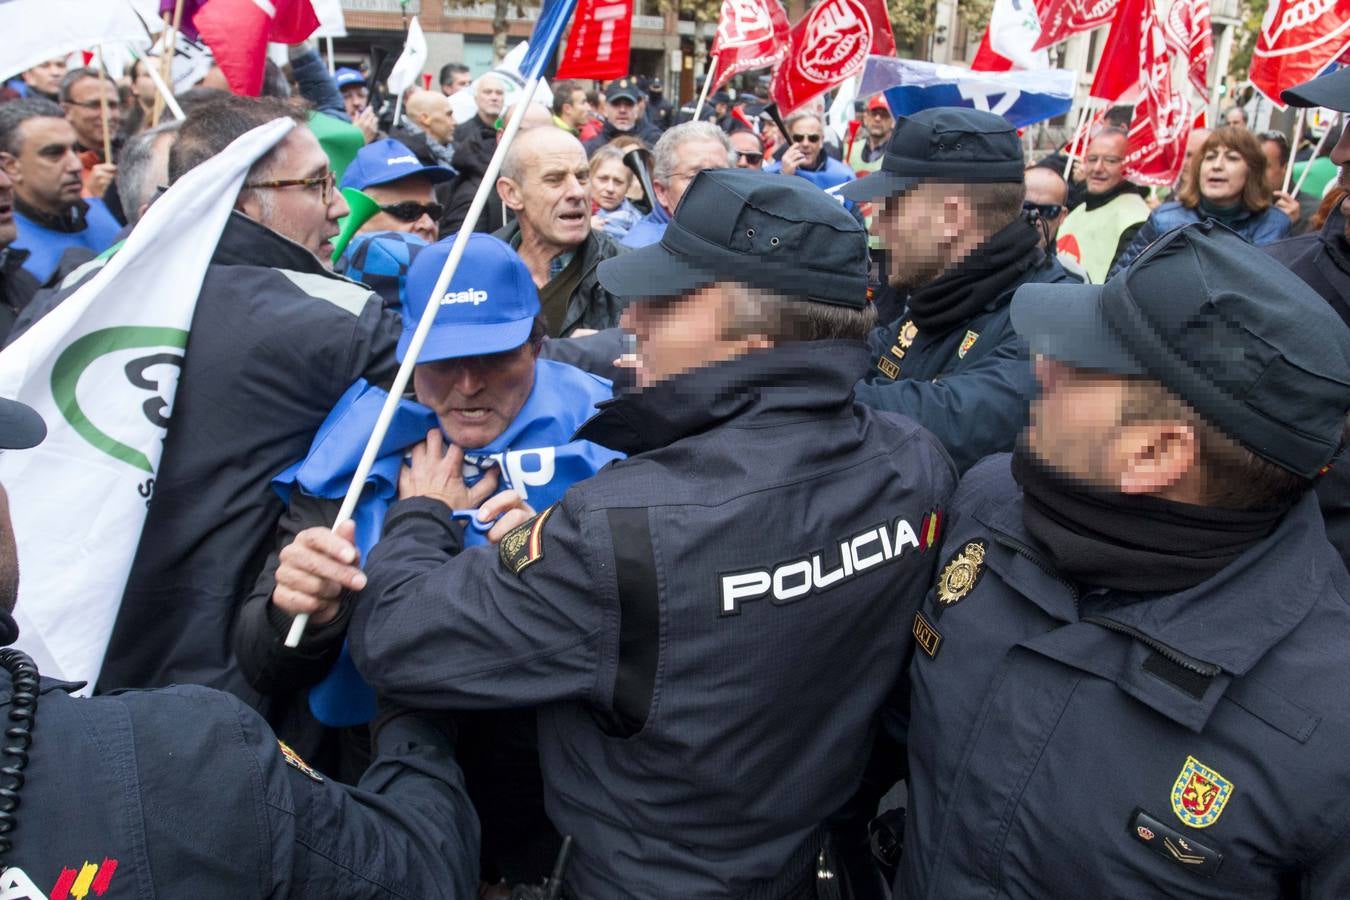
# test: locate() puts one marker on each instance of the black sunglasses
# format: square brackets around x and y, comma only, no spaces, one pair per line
[410,211]
[813,138]
[753,159]
[1046,210]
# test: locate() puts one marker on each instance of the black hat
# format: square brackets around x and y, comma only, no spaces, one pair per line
[655,86]
[773,231]
[20,426]
[1331,91]
[720,97]
[624,87]
[945,143]
[1246,343]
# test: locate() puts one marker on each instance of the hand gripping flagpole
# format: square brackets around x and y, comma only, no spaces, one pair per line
[548,33]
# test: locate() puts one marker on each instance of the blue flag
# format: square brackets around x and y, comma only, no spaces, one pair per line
[544,39]
[1021,97]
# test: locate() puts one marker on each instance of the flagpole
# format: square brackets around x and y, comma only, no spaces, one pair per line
[332,65]
[1340,120]
[486,188]
[1074,140]
[707,82]
[170,37]
[165,95]
[1293,149]
[103,107]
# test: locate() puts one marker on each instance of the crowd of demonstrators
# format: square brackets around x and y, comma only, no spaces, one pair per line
[680,154]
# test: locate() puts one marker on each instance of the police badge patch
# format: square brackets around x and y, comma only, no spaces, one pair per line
[961,573]
[1200,794]
[523,545]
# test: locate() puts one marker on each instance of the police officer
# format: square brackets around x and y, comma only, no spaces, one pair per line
[949,195]
[711,625]
[185,791]
[1131,671]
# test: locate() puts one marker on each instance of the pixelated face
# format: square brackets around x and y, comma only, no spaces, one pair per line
[1104,163]
[1074,419]
[476,397]
[554,193]
[46,173]
[691,157]
[610,183]
[679,334]
[405,206]
[622,113]
[85,114]
[307,215]
[46,77]
[1223,175]
[489,95]
[909,227]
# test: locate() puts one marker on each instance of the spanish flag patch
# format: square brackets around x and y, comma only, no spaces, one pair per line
[930,530]
[523,546]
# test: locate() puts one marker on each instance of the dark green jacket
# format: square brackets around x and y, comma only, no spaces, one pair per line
[591,305]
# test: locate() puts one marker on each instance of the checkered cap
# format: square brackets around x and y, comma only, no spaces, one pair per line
[381,260]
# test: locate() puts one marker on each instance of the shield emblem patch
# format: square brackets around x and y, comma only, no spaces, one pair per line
[966,343]
[1200,794]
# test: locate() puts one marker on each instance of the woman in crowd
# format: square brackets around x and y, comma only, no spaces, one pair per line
[610,181]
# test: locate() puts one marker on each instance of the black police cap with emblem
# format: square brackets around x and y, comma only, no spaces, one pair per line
[624,88]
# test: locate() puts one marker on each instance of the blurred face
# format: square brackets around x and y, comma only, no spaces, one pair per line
[1274,164]
[552,199]
[142,85]
[622,113]
[354,98]
[46,173]
[879,124]
[909,227]
[307,214]
[85,114]
[1104,163]
[1223,175]
[576,111]
[458,82]
[46,77]
[8,230]
[489,95]
[406,206]
[1074,419]
[1194,142]
[691,157]
[476,397]
[749,155]
[808,135]
[1236,118]
[679,334]
[610,183]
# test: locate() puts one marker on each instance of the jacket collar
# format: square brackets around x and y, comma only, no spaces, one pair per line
[70,221]
[245,242]
[793,380]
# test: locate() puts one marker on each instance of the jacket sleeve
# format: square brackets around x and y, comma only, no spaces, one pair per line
[440,628]
[1145,235]
[1329,876]
[260,632]
[974,412]
[316,85]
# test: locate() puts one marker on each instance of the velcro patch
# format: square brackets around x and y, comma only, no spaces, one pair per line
[523,546]
[1171,844]
[926,635]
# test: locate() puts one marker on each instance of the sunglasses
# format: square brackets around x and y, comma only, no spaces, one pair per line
[411,211]
[753,159]
[812,138]
[1046,210]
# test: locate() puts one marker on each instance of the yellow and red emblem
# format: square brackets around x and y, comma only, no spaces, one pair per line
[961,573]
[966,343]
[1200,794]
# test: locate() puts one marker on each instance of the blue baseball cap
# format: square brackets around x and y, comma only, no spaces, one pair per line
[380,260]
[346,77]
[489,307]
[381,162]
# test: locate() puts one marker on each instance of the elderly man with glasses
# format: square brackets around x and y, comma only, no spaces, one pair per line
[806,156]
[682,153]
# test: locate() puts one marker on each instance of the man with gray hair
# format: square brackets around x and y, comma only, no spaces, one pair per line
[680,154]
[143,168]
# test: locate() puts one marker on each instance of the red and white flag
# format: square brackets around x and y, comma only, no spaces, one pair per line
[1298,39]
[237,31]
[598,46]
[1062,19]
[751,34]
[830,44]
[1010,39]
[1162,117]
[1121,63]
[1188,30]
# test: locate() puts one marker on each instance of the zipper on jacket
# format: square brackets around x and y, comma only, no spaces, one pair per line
[1198,666]
[1024,551]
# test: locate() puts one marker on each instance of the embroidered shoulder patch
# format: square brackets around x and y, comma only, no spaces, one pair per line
[966,343]
[295,762]
[523,546]
[1200,794]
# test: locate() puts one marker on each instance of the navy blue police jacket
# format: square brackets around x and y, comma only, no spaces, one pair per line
[970,385]
[710,627]
[1124,745]
[185,792]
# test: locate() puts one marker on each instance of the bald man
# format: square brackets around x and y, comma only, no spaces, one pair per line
[1048,193]
[430,112]
[545,182]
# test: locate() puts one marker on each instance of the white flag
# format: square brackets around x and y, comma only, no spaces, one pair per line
[101,369]
[1013,30]
[332,23]
[38,30]
[411,61]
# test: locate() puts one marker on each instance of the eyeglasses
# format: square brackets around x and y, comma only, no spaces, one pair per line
[325,181]
[411,211]
[1044,210]
[91,104]
[1108,160]
[812,138]
[753,159]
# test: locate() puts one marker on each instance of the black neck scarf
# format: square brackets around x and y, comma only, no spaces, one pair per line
[964,290]
[1129,542]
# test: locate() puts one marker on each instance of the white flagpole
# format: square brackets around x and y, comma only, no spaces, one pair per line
[1074,142]
[164,92]
[486,187]
[707,82]
[1293,149]
[332,66]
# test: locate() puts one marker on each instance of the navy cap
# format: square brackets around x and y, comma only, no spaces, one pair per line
[20,425]
[346,77]
[944,143]
[1247,344]
[489,307]
[623,87]
[1331,91]
[655,86]
[381,162]
[773,231]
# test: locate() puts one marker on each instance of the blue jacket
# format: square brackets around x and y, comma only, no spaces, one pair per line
[831,174]
[45,245]
[1266,227]
[647,230]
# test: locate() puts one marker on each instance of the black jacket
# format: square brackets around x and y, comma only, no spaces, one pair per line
[708,668]
[475,142]
[17,287]
[644,131]
[591,306]
[275,341]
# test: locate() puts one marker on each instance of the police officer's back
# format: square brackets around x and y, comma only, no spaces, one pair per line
[1132,667]
[711,625]
[185,792]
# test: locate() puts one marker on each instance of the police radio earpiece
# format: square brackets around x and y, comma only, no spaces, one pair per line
[23,674]
[1032,214]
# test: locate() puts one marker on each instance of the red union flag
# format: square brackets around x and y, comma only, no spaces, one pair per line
[1188,30]
[237,31]
[752,34]
[1120,67]
[598,45]
[1298,39]
[1162,117]
[1061,19]
[829,45]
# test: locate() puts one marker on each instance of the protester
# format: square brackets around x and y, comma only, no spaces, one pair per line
[623,116]
[544,181]
[680,154]
[806,156]
[1235,117]
[660,111]
[571,110]
[85,110]
[44,80]
[957,246]
[137,117]
[454,78]
[38,150]
[352,85]
[17,286]
[1194,141]
[1300,209]
[143,168]
[745,418]
[1227,183]
[878,123]
[1047,199]
[1103,226]
[614,213]
[145,809]
[749,149]
[1104,603]
[389,174]
[433,137]
[475,142]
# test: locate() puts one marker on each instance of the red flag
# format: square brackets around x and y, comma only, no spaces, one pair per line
[1118,70]
[987,60]
[1162,117]
[1061,19]
[829,45]
[598,45]
[1298,39]
[751,34]
[1188,30]
[237,31]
